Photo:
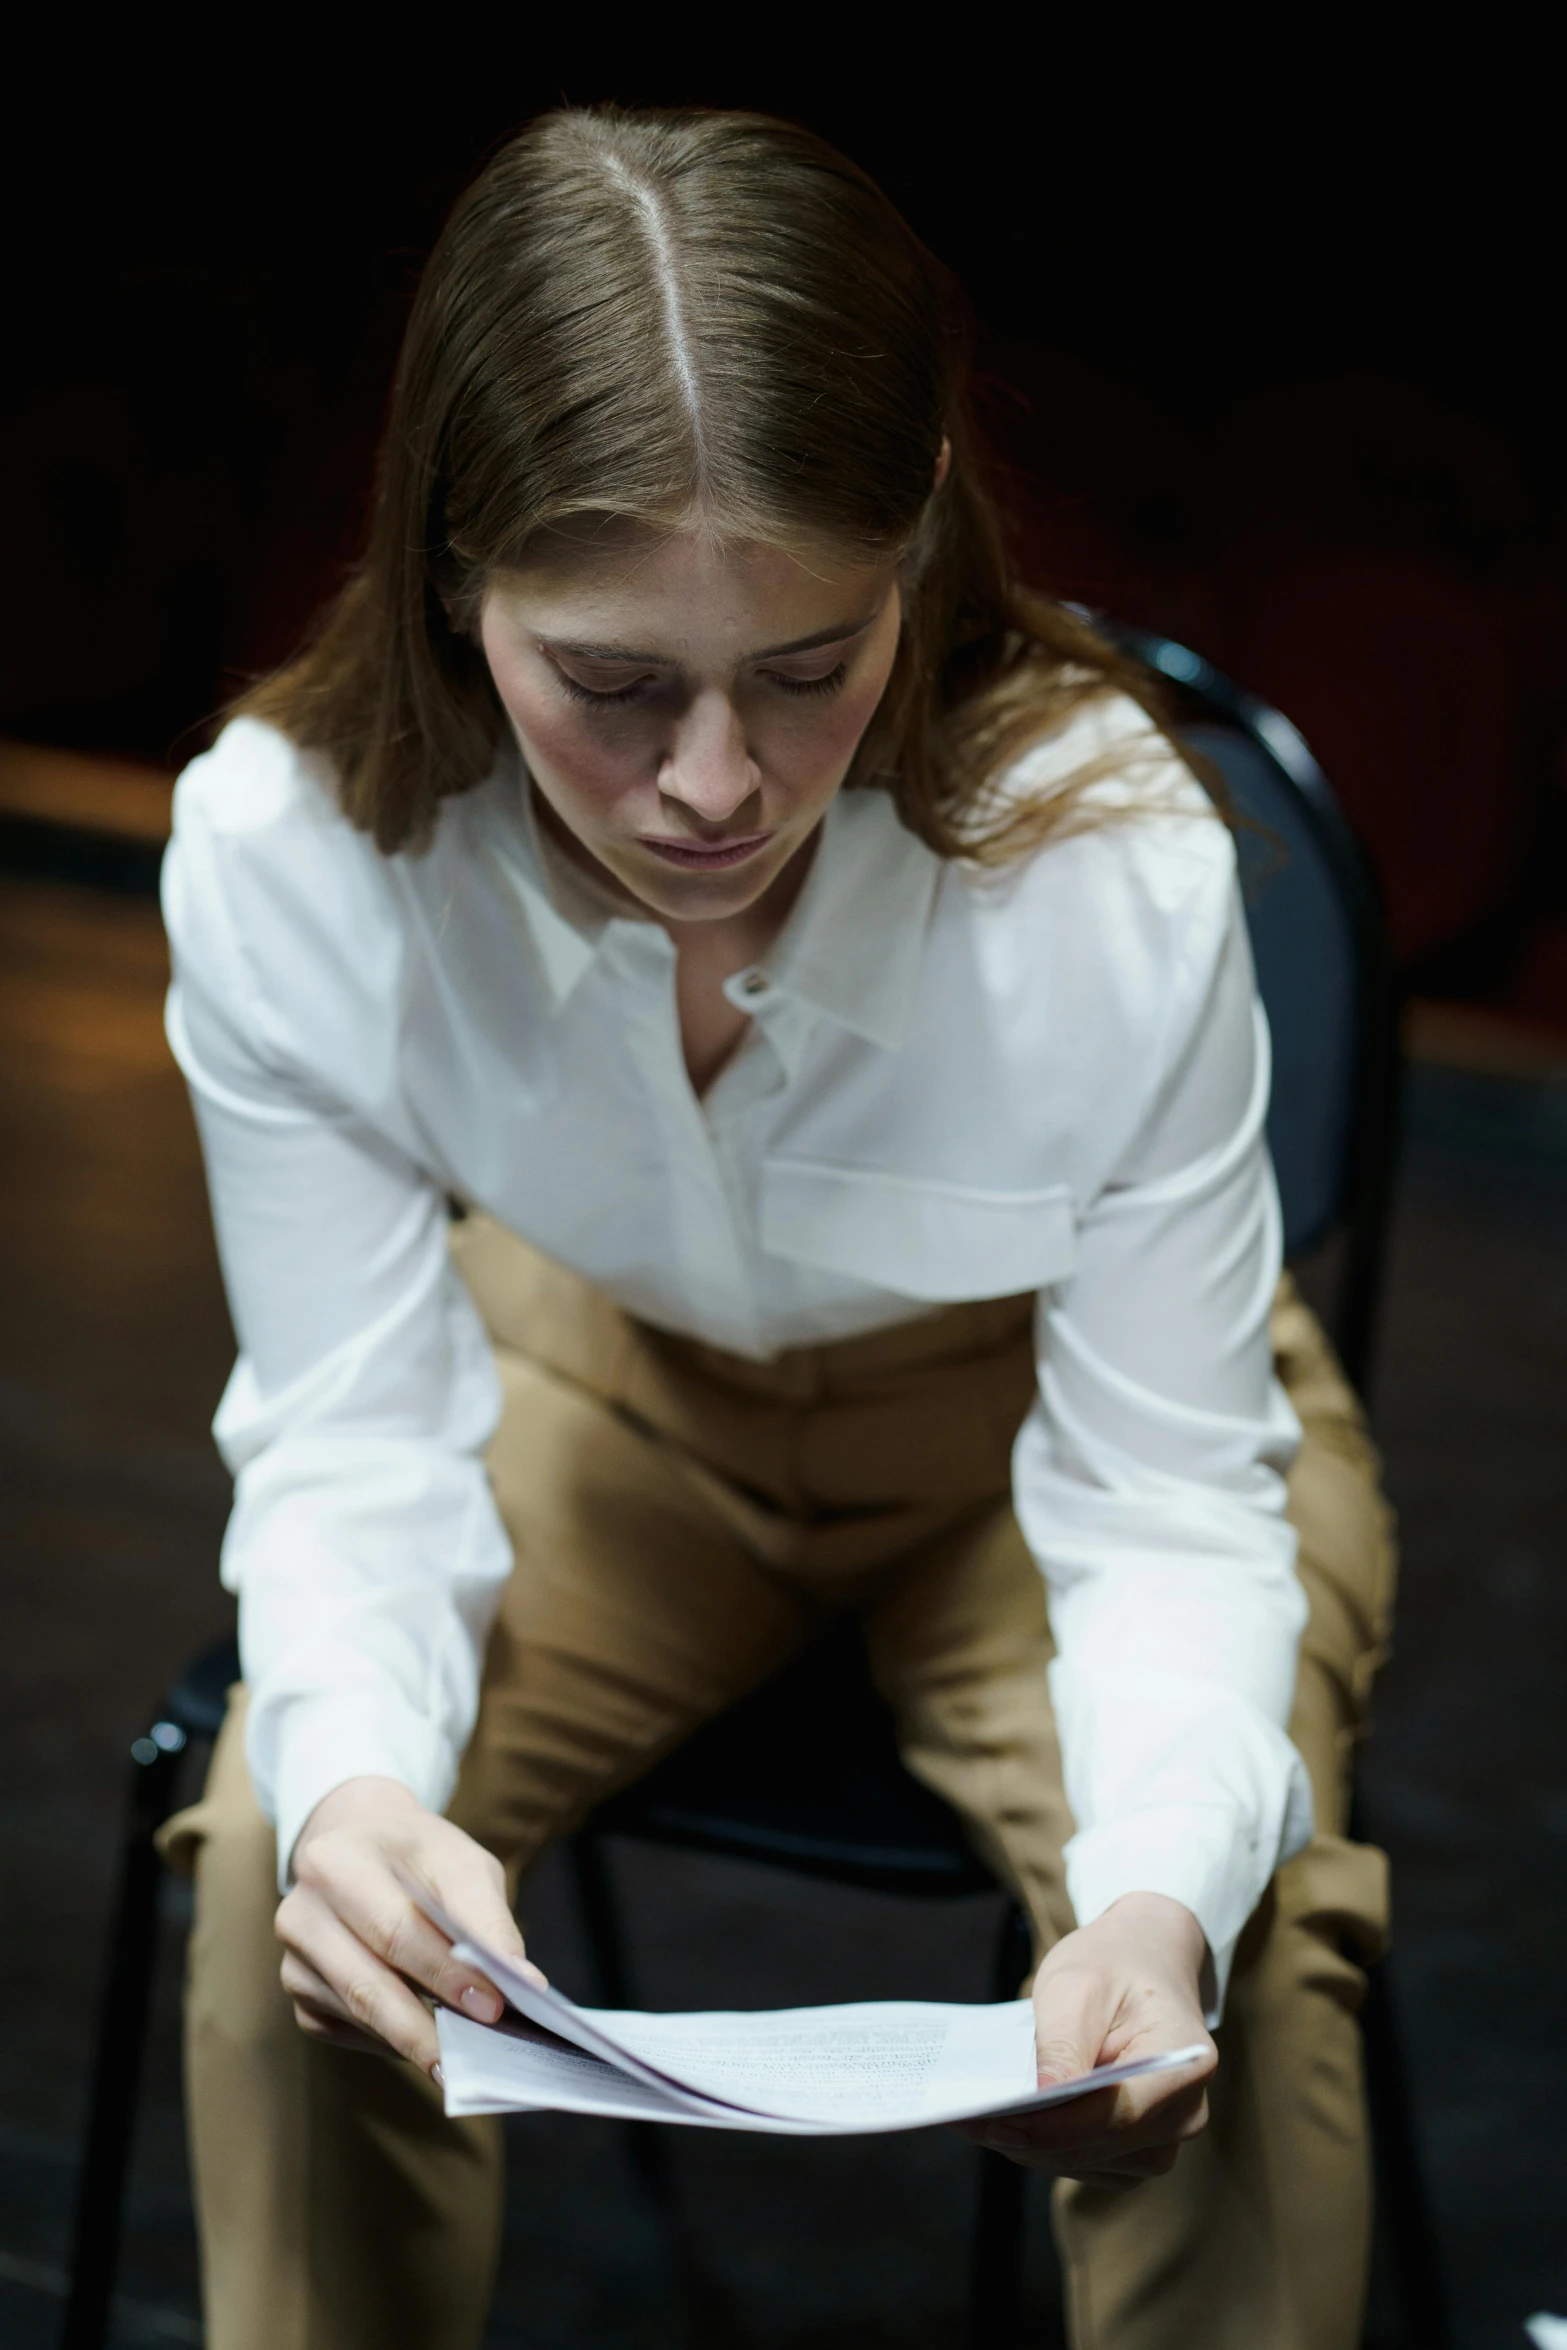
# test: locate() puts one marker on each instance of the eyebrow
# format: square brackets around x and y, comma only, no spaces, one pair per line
[626,653]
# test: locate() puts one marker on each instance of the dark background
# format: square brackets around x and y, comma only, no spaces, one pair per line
[1274,366]
[1270,358]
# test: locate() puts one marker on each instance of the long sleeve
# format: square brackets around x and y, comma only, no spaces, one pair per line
[1150,1480]
[364,1544]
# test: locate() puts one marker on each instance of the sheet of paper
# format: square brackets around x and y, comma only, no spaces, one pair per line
[513,2067]
[873,2066]
[493,2069]
[509,2069]
[895,2063]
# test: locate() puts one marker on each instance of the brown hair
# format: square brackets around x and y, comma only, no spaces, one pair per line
[641,316]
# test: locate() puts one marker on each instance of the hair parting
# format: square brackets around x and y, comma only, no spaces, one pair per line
[646,201]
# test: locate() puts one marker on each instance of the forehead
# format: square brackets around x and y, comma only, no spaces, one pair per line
[679,591]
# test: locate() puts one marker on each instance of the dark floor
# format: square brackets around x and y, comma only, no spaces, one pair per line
[113,1347]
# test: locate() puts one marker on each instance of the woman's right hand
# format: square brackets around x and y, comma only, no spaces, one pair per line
[359,1951]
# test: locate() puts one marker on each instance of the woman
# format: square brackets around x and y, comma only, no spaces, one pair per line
[802,955]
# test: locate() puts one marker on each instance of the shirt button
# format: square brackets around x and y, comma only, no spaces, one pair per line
[755,983]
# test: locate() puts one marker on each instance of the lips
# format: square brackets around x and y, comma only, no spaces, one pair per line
[696,859]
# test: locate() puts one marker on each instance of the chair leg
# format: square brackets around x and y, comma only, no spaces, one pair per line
[119,2044]
[1405,2204]
[645,2141]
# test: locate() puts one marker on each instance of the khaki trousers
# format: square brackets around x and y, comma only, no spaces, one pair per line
[683,1521]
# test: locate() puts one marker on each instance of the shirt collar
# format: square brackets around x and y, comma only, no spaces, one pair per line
[851,948]
[853,945]
[565,926]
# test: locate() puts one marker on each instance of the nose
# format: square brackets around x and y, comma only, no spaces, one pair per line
[707,766]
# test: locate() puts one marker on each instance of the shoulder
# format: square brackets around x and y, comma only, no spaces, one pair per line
[1134,786]
[274,903]
[252,786]
[1143,861]
[1095,954]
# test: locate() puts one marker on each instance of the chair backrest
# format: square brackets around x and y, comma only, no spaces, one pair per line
[1322,970]
[1304,946]
[804,1774]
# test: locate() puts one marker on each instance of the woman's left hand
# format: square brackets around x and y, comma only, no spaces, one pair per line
[1128,1985]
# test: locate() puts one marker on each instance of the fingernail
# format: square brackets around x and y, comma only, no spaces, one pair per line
[484,2006]
[437,2076]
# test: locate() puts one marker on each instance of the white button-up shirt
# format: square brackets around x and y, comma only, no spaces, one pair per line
[957,1084]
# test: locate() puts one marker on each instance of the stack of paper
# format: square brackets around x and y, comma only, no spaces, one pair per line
[804,2071]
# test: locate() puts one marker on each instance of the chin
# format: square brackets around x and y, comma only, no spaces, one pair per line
[703,897]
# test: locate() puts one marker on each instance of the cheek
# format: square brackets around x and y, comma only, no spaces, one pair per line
[819,739]
[564,746]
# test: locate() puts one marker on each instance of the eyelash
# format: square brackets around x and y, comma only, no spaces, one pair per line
[811,685]
[586,693]
[634,692]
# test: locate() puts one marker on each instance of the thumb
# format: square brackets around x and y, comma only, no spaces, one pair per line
[461,1890]
[1070,2023]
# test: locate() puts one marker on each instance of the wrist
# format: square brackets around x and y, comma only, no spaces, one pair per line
[354,1802]
[1160,1913]
[1164,1929]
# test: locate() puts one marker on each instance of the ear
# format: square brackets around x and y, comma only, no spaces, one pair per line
[943,464]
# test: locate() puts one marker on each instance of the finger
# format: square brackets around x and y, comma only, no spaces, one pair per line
[1179,2117]
[319,2012]
[1143,2112]
[1073,2011]
[1144,2103]
[1058,2129]
[1068,2130]
[455,1881]
[360,1989]
[345,1987]
[358,1885]
[321,2021]
[344,2036]
[1084,2136]
[302,1983]
[1118,2113]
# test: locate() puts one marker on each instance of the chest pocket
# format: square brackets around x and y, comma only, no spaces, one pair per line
[947,1242]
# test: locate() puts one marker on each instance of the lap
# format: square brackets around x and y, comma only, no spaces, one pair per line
[636,1611]
[631,1616]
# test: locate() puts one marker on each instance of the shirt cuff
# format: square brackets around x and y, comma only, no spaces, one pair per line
[300,1752]
[1187,1852]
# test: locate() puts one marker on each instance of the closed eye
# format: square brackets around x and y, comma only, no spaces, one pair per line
[609,683]
[603,695]
[830,684]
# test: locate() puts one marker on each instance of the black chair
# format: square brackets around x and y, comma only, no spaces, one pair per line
[849,1812]
[191,1714]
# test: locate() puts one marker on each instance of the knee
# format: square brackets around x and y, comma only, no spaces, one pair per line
[234,1986]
